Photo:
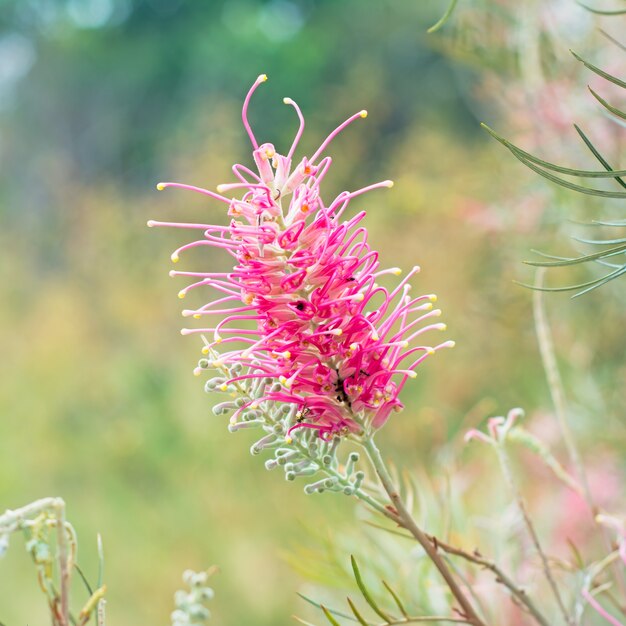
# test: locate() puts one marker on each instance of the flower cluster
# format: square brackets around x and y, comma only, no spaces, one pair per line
[303,312]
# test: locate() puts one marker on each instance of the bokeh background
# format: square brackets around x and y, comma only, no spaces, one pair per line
[101,99]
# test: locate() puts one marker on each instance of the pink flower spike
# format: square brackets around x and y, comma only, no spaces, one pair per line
[244,111]
[301,318]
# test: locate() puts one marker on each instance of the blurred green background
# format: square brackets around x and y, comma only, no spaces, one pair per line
[101,99]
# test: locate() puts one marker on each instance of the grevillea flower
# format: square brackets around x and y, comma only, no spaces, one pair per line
[303,310]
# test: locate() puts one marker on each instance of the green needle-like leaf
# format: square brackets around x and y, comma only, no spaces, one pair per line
[358,616]
[329,617]
[614,110]
[365,592]
[601,242]
[84,579]
[583,259]
[607,278]
[598,156]
[444,18]
[613,40]
[599,72]
[332,611]
[567,184]
[593,284]
[600,11]
[396,599]
[617,224]
[552,166]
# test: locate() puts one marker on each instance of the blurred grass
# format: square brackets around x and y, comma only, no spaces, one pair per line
[97,399]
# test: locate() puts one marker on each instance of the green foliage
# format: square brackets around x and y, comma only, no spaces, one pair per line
[388,620]
[543,168]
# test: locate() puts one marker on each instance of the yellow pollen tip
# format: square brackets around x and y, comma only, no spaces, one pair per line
[262,78]
[443,327]
[354,346]
[404,344]
[287,101]
[181,294]
[217,363]
[175,258]
[197,316]
[205,350]
[282,380]
[432,298]
[389,183]
[430,351]
[396,271]
[197,371]
[161,186]
[375,336]
[359,297]
[451,344]
[337,331]
[288,439]
[223,387]
[218,338]
[150,223]
[221,188]
[287,354]
[363,113]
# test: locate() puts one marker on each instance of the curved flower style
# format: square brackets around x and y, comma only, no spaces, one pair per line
[302,309]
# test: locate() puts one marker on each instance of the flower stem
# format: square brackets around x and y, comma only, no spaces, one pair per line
[508,477]
[555,384]
[64,570]
[409,523]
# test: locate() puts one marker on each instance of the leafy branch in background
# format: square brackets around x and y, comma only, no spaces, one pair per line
[51,542]
[611,248]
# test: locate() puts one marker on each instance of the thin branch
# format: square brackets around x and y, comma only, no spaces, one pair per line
[409,523]
[555,384]
[477,558]
[64,567]
[508,476]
